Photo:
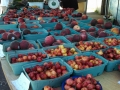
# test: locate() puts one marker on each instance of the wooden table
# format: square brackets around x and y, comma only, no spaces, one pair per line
[107,79]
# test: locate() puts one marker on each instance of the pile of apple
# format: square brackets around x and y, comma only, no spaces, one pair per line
[77,37]
[61,51]
[51,41]
[49,88]
[23,45]
[24,26]
[10,35]
[83,16]
[112,41]
[82,83]
[48,70]
[110,54]
[64,32]
[83,62]
[27,31]
[87,46]
[29,57]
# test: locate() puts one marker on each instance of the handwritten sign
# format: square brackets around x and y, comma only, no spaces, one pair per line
[22,83]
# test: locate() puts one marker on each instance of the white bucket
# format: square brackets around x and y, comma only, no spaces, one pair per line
[39,4]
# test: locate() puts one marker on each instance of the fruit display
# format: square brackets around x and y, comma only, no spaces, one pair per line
[39,56]
[81,83]
[52,41]
[61,50]
[48,70]
[91,45]
[76,15]
[23,45]
[83,62]
[77,37]
[110,54]
[112,41]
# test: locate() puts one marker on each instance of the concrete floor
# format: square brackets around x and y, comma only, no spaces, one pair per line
[3,83]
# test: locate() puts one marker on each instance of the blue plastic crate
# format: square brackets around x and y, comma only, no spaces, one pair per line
[89,38]
[39,84]
[58,32]
[87,21]
[94,71]
[40,41]
[17,67]
[65,45]
[91,41]
[43,34]
[5,45]
[112,65]
[73,77]
[29,26]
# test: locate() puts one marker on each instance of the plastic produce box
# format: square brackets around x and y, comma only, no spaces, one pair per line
[87,21]
[50,26]
[17,67]
[92,47]
[62,38]
[42,34]
[31,27]
[73,77]
[39,84]
[112,65]
[66,46]
[89,38]
[94,71]
[32,21]
[57,33]
[111,37]
[6,45]
[13,24]
[108,34]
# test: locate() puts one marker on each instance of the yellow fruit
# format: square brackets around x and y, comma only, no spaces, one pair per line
[72,50]
[61,46]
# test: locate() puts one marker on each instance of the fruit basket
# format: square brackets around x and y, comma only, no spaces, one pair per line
[90,46]
[113,62]
[79,79]
[7,45]
[60,51]
[81,69]
[57,41]
[64,32]
[53,26]
[35,34]
[21,58]
[101,33]
[111,41]
[78,37]
[32,21]
[39,84]
[10,24]
[29,26]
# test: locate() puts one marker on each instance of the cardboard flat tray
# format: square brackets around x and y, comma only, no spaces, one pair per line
[108,80]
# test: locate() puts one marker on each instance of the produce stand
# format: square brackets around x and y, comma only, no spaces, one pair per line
[108,80]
